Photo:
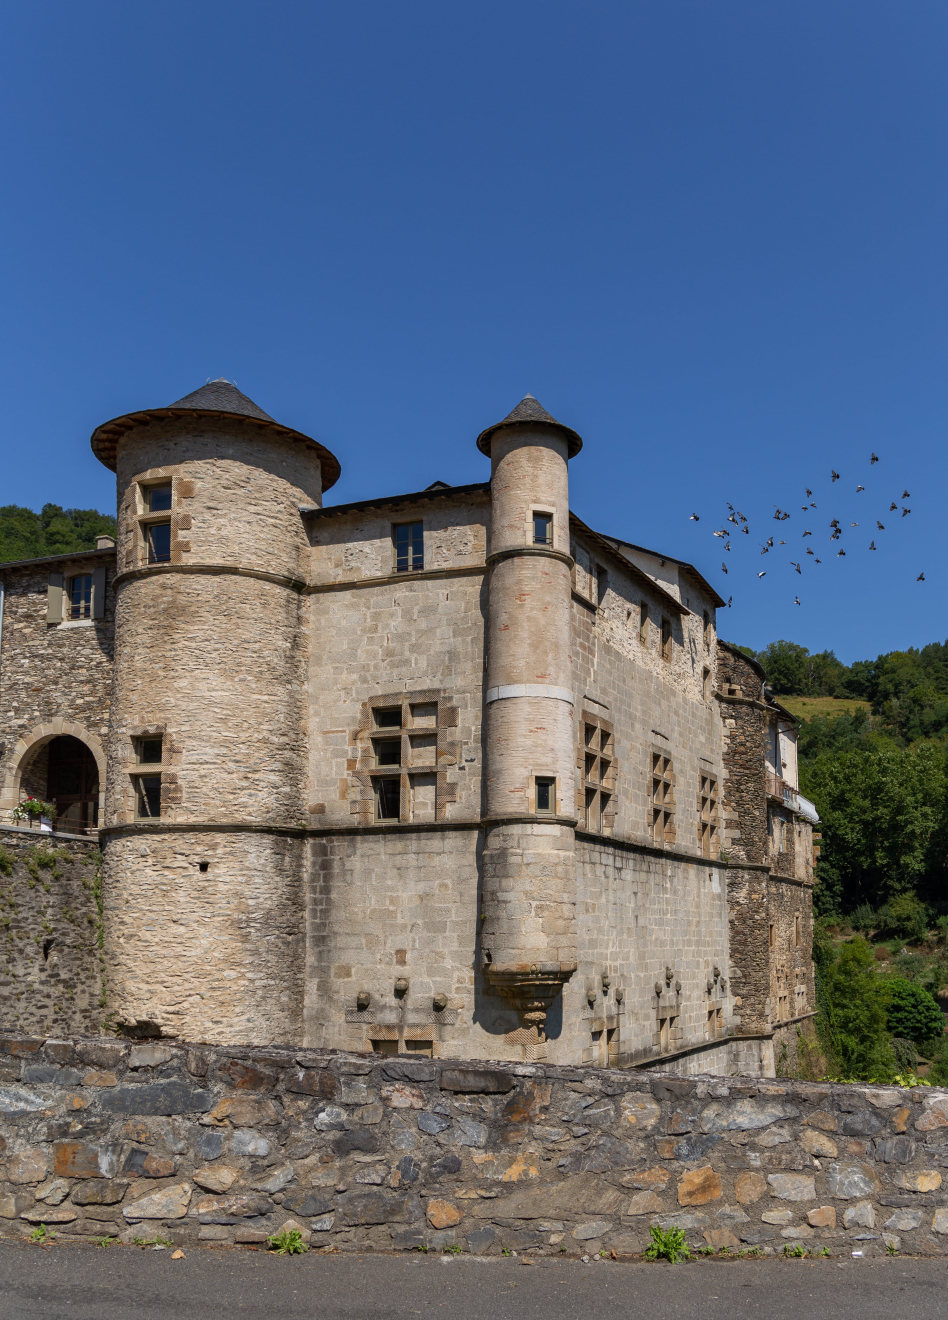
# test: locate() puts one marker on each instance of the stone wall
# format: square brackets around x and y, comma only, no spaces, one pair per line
[51,974]
[221,1145]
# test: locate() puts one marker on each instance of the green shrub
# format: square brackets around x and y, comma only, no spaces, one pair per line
[852,999]
[906,1055]
[912,1012]
[667,1245]
[864,918]
[906,916]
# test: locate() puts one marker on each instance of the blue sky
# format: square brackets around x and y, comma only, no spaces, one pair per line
[709,236]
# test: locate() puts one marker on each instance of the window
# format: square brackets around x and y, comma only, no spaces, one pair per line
[148,791]
[388,751]
[706,684]
[707,629]
[159,542]
[543,529]
[668,1034]
[715,1024]
[771,936]
[663,799]
[409,547]
[385,1046]
[708,816]
[602,585]
[389,717]
[159,499]
[387,798]
[796,932]
[643,623]
[425,1048]
[80,597]
[545,796]
[148,751]
[666,639]
[598,767]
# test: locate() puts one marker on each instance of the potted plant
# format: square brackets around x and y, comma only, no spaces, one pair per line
[38,813]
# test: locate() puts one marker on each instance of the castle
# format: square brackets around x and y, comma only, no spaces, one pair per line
[445,773]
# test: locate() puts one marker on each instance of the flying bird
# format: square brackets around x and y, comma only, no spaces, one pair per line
[809,493]
[746,531]
[892,506]
[836,535]
[834,523]
[796,600]
[905,511]
[906,495]
[806,534]
[805,508]
[765,549]
[694,518]
[724,568]
[817,561]
[854,524]
[781,543]
[872,545]
[859,488]
[731,519]
[761,574]
[835,475]
[920,578]
[727,545]
[880,526]
[721,533]
[873,458]
[780,515]
[796,566]
[809,551]
[729,599]
[840,552]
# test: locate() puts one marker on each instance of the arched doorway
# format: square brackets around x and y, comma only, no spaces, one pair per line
[72,783]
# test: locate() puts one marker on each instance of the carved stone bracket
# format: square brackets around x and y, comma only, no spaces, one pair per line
[531,991]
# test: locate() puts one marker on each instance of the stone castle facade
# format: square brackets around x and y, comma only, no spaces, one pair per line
[444,773]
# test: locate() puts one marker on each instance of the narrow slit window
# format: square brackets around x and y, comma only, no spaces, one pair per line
[409,547]
[770,936]
[706,684]
[796,932]
[643,623]
[159,543]
[546,796]
[543,529]
[666,639]
[149,796]
[388,798]
[80,596]
[602,585]
[707,629]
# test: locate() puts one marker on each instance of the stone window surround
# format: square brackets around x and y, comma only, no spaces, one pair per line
[709,841]
[136,769]
[602,785]
[364,770]
[140,518]
[667,804]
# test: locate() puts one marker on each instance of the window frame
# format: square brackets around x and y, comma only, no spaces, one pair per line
[414,556]
[85,607]
[542,513]
[547,782]
[708,814]
[149,529]
[662,804]
[380,784]
[596,762]
[141,795]
[667,643]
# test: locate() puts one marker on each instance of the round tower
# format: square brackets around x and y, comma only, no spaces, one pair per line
[528,936]
[202,840]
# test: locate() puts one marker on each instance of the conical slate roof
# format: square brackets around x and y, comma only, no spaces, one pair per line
[219,397]
[530,410]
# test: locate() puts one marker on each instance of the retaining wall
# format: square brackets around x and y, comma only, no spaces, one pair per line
[224,1145]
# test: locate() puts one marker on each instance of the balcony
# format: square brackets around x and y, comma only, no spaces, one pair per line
[783,792]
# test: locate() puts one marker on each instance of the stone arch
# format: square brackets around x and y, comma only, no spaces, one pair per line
[26,748]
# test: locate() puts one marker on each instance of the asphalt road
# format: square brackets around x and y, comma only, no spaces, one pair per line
[81,1282]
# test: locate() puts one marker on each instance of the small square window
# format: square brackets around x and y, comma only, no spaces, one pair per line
[148,789]
[148,751]
[390,717]
[80,597]
[388,798]
[409,547]
[388,751]
[546,796]
[159,543]
[159,499]
[543,529]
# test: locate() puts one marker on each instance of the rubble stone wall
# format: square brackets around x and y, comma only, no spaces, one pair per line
[225,1145]
[51,973]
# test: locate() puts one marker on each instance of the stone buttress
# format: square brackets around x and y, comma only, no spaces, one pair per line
[528,927]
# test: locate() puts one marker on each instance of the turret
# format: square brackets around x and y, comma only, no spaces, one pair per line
[528,934]
[202,845]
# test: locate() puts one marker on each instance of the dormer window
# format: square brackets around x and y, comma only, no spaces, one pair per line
[543,529]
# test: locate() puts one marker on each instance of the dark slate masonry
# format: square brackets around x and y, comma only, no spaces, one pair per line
[225,1145]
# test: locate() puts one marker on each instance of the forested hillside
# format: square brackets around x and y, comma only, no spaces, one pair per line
[53,531]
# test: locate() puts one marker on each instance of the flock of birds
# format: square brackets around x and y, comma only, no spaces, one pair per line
[740,525]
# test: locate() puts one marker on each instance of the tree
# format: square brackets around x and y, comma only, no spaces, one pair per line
[913,1013]
[53,531]
[854,1001]
[882,815]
